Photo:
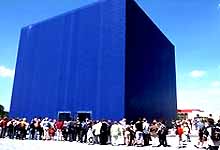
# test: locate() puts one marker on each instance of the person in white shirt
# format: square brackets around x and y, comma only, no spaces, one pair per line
[115,133]
[97,128]
[146,132]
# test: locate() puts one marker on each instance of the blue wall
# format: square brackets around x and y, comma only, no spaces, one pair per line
[73,62]
[150,81]
[108,58]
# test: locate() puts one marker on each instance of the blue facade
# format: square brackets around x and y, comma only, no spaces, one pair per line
[150,79]
[95,59]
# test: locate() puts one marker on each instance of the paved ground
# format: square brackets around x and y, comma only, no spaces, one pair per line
[6,144]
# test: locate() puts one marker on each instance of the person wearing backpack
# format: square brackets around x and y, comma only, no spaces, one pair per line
[218,123]
[213,135]
[84,129]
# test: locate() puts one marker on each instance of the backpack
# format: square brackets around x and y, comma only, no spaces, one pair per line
[84,126]
[215,133]
[146,128]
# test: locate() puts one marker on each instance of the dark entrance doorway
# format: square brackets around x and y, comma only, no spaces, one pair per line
[64,115]
[84,114]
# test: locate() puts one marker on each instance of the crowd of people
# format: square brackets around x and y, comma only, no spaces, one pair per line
[208,133]
[207,129]
[139,133]
[103,132]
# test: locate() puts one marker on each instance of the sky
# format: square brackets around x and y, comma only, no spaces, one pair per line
[193,26]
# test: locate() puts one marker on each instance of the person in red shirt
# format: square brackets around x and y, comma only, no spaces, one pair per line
[59,127]
[4,127]
[179,132]
[51,132]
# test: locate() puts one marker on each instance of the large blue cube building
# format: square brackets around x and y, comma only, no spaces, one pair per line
[108,59]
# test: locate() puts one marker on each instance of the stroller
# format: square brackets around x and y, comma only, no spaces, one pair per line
[139,140]
[90,136]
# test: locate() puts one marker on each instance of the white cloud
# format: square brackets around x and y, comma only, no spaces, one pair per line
[214,91]
[6,72]
[215,84]
[206,99]
[218,6]
[197,73]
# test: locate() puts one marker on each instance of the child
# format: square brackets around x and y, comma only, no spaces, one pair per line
[51,132]
[179,132]
[186,132]
[127,135]
[90,135]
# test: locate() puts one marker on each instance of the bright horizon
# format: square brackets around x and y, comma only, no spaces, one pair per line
[194,29]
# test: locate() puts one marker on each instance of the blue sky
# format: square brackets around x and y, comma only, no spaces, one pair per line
[192,26]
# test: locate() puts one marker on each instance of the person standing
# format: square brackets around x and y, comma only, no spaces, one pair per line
[186,132]
[65,131]
[10,126]
[33,130]
[84,129]
[146,132]
[97,128]
[213,135]
[139,141]
[23,125]
[104,133]
[115,133]
[72,130]
[4,127]
[78,130]
[201,128]
[162,133]
[59,127]
[127,135]
[45,125]
[179,133]
[153,132]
